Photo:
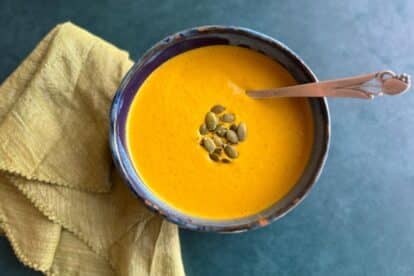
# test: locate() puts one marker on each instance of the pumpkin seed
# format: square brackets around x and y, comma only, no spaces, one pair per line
[233,127]
[228,117]
[214,157]
[217,109]
[225,160]
[231,151]
[208,144]
[221,130]
[231,136]
[217,140]
[211,121]
[218,151]
[203,129]
[242,131]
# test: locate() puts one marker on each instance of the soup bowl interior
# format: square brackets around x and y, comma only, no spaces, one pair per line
[206,36]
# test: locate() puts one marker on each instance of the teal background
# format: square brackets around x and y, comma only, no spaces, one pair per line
[359,218]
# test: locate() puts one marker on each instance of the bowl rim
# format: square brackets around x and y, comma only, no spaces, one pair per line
[135,188]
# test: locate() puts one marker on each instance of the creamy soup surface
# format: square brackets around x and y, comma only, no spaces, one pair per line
[163,136]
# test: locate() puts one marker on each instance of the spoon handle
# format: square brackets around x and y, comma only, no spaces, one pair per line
[363,87]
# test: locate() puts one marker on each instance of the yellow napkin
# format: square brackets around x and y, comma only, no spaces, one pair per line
[63,206]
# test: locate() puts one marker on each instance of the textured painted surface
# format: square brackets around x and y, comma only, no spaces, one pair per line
[358,220]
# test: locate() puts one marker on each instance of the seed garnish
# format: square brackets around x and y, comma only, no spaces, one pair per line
[220,139]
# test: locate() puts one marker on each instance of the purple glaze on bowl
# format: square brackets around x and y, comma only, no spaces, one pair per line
[195,38]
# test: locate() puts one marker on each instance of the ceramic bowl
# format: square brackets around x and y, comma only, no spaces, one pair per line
[205,36]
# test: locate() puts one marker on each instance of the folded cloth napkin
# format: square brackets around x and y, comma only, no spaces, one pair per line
[63,206]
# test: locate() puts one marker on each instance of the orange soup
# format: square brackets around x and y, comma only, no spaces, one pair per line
[163,136]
